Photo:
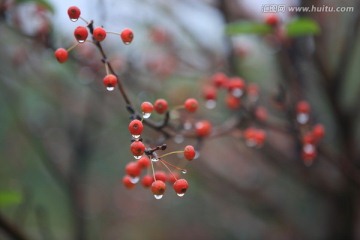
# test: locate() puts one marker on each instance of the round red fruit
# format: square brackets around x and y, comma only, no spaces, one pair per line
[127,182]
[127,36]
[209,93]
[161,106]
[110,80]
[158,187]
[172,177]
[219,79]
[147,180]
[272,19]
[147,107]
[303,107]
[133,169]
[181,186]
[144,162]
[137,148]
[136,127]
[74,13]
[81,33]
[99,34]
[61,55]
[191,104]
[189,152]
[232,102]
[203,128]
[161,176]
[318,131]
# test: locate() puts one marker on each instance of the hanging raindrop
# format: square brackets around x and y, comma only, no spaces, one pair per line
[180,194]
[210,104]
[110,88]
[183,171]
[134,180]
[137,157]
[158,196]
[146,115]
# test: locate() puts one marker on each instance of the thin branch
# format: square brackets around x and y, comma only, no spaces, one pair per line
[11,230]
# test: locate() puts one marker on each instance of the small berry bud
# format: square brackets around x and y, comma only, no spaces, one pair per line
[191,104]
[127,36]
[74,13]
[81,34]
[99,34]
[161,106]
[61,55]
[189,152]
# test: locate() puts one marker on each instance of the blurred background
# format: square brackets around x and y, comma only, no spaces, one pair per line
[65,142]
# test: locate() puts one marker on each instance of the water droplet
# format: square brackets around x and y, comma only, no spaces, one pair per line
[146,115]
[237,92]
[110,89]
[210,104]
[137,157]
[250,143]
[81,41]
[136,136]
[154,159]
[73,19]
[178,138]
[180,194]
[127,43]
[183,171]
[197,154]
[187,125]
[134,180]
[302,118]
[158,196]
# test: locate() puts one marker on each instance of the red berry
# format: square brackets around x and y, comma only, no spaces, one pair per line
[303,107]
[219,79]
[160,106]
[172,177]
[147,107]
[308,157]
[133,169]
[61,55]
[232,102]
[272,19]
[160,175]
[136,127]
[81,34]
[99,34]
[209,93]
[189,152]
[259,137]
[127,35]
[261,114]
[236,86]
[252,90]
[147,180]
[137,148]
[191,104]
[318,132]
[308,138]
[144,162]
[158,188]
[180,186]
[127,182]
[110,81]
[74,13]
[203,128]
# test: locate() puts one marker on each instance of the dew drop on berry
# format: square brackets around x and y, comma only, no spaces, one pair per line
[134,180]
[137,157]
[136,136]
[180,194]
[110,89]
[197,154]
[127,43]
[302,118]
[250,143]
[179,139]
[158,196]
[154,159]
[73,19]
[81,41]
[187,125]
[309,148]
[237,92]
[210,104]
[146,115]
[183,171]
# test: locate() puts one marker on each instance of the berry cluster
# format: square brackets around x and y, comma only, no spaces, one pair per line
[99,34]
[146,156]
[310,134]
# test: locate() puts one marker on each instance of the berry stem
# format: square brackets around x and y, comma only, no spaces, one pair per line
[174,166]
[106,68]
[83,19]
[72,47]
[169,153]
[153,170]
[162,161]
[113,33]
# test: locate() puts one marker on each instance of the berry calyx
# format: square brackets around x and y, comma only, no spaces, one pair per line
[136,127]
[99,34]
[189,152]
[110,81]
[127,36]
[137,148]
[191,104]
[147,107]
[74,13]
[144,162]
[203,128]
[61,55]
[81,33]
[128,182]
[161,106]
[180,187]
[147,180]
[158,188]
[133,169]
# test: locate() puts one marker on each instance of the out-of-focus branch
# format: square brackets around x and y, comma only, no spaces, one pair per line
[11,230]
